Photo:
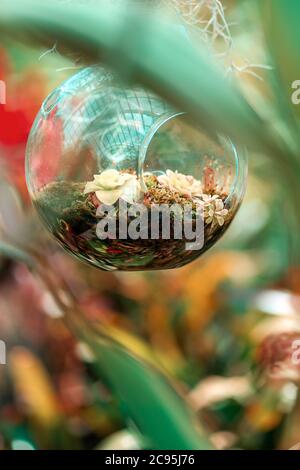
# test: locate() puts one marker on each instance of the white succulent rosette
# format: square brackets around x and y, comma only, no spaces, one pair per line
[214,210]
[186,185]
[111,185]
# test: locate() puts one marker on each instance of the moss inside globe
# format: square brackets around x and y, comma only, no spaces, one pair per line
[72,215]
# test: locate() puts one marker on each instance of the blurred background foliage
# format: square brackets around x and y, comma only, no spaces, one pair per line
[197,357]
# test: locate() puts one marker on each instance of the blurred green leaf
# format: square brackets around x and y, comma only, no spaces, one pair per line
[281,27]
[143,47]
[16,254]
[147,396]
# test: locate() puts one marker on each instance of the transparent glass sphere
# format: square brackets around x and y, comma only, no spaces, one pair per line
[99,150]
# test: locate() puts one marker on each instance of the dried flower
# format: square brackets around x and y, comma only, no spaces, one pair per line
[214,210]
[278,356]
[112,185]
[183,184]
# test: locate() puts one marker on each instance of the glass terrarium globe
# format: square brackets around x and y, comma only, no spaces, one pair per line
[100,154]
